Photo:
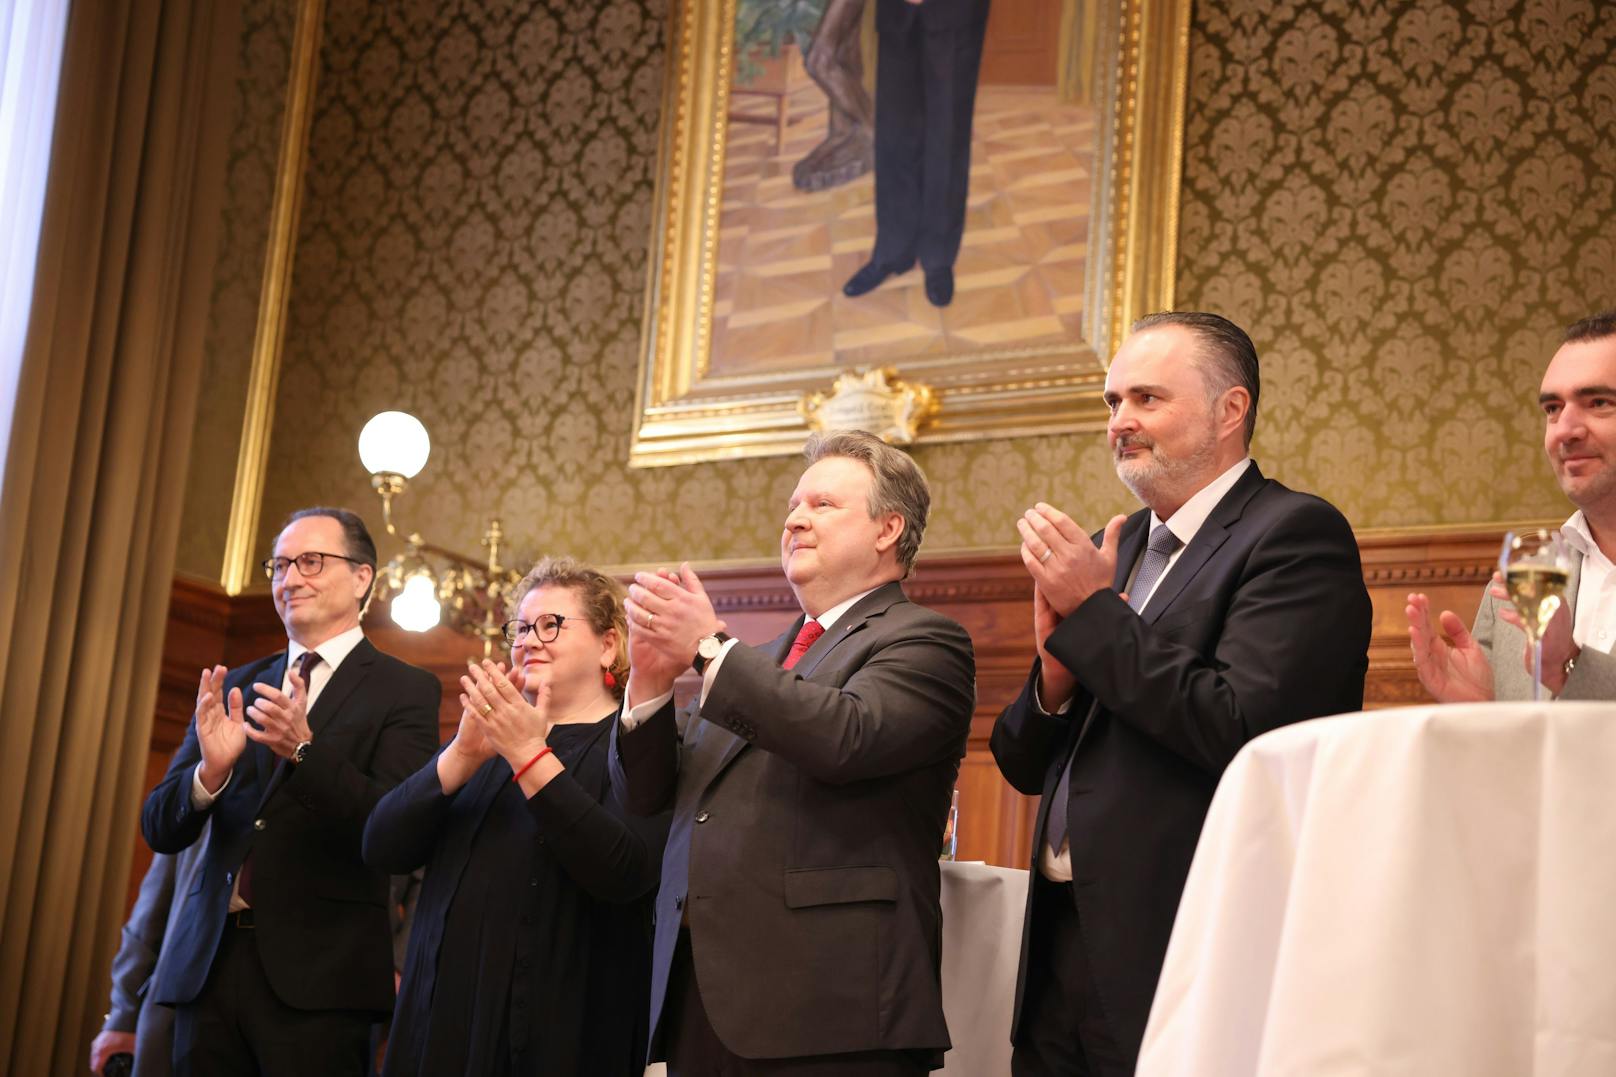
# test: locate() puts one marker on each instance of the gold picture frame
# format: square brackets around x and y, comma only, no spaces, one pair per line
[688,413]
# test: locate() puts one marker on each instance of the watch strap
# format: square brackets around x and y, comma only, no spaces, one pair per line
[699,664]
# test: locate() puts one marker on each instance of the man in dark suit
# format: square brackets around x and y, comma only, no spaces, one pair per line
[798,926]
[1229,606]
[282,958]
[929,53]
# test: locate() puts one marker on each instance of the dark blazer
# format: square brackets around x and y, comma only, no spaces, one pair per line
[320,913]
[1262,621]
[808,813]
[531,945]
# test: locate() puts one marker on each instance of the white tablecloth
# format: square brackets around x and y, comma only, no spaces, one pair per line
[1428,891]
[982,910]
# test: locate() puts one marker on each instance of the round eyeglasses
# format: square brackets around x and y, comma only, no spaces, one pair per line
[308,564]
[545,629]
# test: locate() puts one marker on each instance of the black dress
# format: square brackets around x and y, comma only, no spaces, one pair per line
[530,951]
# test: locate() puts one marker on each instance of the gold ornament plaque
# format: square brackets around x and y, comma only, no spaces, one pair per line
[875,401]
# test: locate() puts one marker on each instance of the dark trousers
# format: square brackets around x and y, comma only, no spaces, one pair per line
[925,98]
[1063,1030]
[694,1049]
[238,1026]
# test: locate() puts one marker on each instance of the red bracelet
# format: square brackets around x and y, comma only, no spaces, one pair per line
[544,751]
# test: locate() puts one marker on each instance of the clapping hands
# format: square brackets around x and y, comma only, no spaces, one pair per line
[669,612]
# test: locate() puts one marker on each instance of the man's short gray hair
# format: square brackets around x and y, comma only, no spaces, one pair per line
[899,486]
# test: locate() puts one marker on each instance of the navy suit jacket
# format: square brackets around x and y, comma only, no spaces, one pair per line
[1263,620]
[321,915]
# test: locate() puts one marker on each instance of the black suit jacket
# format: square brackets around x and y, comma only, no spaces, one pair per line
[808,813]
[321,914]
[1263,620]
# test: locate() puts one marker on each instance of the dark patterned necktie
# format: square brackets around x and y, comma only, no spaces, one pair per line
[810,631]
[305,666]
[1160,547]
[1162,544]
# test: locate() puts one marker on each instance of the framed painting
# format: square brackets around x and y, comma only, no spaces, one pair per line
[933,220]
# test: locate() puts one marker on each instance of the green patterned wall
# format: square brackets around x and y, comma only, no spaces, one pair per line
[1403,201]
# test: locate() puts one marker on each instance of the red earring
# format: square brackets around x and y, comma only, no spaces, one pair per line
[611,681]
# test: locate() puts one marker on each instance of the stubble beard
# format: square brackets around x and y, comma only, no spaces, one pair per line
[1163,478]
[1589,491]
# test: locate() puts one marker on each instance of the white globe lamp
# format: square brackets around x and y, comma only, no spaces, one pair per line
[394,443]
[416,607]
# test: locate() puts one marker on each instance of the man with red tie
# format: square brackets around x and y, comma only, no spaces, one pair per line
[282,959]
[798,927]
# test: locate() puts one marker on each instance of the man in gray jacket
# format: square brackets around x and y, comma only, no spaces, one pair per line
[135,1024]
[1491,661]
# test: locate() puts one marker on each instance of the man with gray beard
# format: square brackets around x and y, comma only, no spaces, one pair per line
[1225,608]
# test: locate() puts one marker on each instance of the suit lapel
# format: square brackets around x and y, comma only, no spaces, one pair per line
[1212,534]
[266,761]
[344,679]
[877,601]
[1129,546]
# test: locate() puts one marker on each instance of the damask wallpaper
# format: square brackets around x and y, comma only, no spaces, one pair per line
[1402,200]
[265,59]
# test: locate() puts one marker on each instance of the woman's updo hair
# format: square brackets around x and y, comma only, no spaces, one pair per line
[600,596]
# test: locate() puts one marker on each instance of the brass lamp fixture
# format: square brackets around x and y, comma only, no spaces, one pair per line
[427,583]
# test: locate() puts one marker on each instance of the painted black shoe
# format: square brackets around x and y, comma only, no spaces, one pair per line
[868,279]
[940,286]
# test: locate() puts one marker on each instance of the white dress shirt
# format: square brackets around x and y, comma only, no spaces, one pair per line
[1595,622]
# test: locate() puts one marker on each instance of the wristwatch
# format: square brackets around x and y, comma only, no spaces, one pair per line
[301,752]
[707,649]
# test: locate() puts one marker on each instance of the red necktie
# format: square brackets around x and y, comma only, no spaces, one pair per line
[810,631]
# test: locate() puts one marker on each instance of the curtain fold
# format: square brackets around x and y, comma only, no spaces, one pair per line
[94,476]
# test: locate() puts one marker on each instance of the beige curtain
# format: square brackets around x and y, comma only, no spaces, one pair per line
[90,505]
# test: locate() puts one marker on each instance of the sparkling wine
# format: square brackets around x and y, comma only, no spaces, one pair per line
[1537,591]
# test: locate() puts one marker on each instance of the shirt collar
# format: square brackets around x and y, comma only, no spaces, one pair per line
[1193,513]
[332,651]
[1580,538]
[832,615]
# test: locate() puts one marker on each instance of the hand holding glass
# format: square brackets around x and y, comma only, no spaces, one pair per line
[1537,569]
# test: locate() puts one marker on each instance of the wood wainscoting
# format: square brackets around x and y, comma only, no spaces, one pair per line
[989,593]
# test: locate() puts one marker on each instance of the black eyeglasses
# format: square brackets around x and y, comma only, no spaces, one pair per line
[308,564]
[546,628]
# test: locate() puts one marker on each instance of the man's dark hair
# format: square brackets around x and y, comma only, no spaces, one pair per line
[1229,358]
[356,536]
[1594,327]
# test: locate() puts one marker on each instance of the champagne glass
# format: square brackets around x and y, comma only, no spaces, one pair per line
[1537,568]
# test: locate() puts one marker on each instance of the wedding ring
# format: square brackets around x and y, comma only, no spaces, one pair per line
[1048,553]
[649,617]
[487,709]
